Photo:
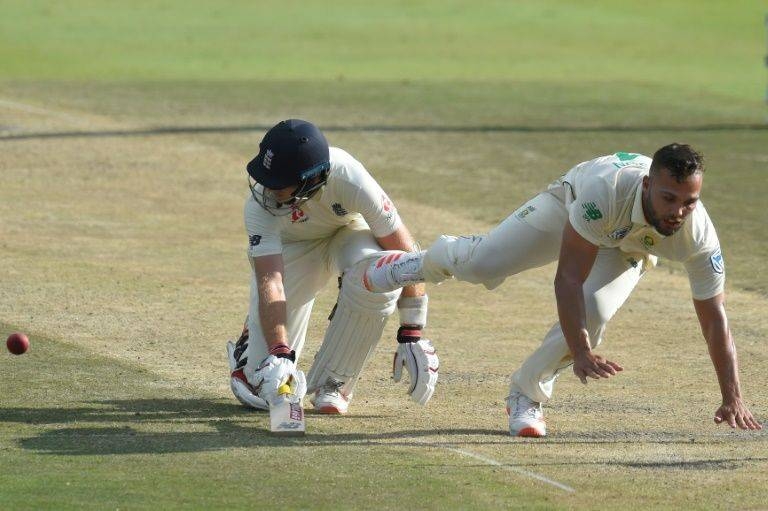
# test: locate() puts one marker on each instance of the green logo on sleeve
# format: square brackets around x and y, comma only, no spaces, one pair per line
[591,211]
[626,156]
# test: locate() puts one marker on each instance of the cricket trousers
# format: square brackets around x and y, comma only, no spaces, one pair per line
[529,238]
[308,265]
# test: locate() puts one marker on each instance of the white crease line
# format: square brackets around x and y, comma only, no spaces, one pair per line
[492,462]
[39,111]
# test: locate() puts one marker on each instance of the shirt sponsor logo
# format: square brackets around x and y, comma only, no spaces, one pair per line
[525,212]
[620,233]
[718,264]
[254,240]
[268,159]
[591,211]
[298,216]
[339,209]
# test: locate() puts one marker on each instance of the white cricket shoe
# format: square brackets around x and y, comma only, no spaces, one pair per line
[394,271]
[329,399]
[526,417]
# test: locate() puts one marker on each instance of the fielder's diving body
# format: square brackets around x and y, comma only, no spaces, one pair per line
[605,222]
[315,212]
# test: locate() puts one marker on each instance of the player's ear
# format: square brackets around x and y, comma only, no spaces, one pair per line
[646,183]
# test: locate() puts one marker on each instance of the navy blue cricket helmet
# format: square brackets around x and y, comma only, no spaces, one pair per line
[294,152]
[290,152]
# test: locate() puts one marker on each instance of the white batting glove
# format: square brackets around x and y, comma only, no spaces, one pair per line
[276,371]
[419,358]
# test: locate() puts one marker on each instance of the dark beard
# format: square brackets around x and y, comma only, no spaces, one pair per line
[654,220]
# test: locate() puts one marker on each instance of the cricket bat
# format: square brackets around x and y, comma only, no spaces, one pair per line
[286,418]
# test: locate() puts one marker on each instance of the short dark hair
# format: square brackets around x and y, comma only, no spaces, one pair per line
[681,160]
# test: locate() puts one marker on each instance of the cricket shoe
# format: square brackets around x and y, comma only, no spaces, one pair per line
[526,417]
[329,399]
[393,271]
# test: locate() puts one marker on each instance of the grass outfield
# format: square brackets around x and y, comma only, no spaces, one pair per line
[124,131]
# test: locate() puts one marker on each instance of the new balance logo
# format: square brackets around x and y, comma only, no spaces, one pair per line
[339,209]
[591,211]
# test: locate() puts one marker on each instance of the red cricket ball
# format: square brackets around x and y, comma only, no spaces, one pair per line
[17,343]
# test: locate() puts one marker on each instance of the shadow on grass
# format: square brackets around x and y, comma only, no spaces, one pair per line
[146,426]
[175,130]
[221,435]
[161,426]
[169,410]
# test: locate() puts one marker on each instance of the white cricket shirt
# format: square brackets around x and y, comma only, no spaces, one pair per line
[604,201]
[350,195]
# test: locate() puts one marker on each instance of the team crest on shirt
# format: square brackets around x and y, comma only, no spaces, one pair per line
[298,216]
[339,209]
[648,241]
[620,233]
[718,264]
[268,159]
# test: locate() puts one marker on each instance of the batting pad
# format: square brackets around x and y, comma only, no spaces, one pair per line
[353,332]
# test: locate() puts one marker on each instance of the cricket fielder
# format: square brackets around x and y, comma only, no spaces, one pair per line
[605,222]
[315,212]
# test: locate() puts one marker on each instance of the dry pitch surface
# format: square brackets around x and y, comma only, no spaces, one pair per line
[128,252]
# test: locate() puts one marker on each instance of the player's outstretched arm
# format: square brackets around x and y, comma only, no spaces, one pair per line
[577,256]
[722,351]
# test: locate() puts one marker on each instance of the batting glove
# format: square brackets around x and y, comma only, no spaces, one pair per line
[419,358]
[277,370]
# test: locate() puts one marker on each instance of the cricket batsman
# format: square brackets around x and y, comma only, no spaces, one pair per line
[315,212]
[605,221]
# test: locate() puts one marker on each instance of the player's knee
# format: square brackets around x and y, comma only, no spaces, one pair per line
[356,297]
[464,258]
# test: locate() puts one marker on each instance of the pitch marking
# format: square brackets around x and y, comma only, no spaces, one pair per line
[494,463]
[15,105]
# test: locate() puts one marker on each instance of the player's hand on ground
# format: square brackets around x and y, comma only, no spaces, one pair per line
[419,358]
[273,372]
[590,365]
[736,414]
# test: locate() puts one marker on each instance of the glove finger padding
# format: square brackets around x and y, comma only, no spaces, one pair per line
[422,364]
[298,386]
[275,372]
[397,364]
